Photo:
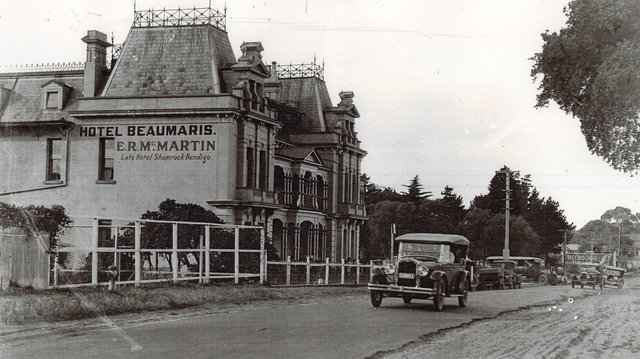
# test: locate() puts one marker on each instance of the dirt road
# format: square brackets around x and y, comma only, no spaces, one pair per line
[600,326]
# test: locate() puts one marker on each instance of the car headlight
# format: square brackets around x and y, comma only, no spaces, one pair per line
[389,268]
[423,271]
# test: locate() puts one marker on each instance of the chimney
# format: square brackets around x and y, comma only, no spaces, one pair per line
[96,66]
[251,52]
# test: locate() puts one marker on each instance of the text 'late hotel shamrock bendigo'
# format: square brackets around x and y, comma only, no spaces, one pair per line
[173,113]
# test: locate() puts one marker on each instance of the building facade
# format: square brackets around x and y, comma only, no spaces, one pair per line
[174,114]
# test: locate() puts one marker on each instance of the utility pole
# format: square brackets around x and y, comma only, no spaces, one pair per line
[507,172]
[564,252]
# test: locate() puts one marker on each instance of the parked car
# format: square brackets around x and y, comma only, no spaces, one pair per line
[613,276]
[511,278]
[532,268]
[428,266]
[491,276]
[588,276]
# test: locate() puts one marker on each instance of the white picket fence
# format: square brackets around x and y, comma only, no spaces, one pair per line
[291,273]
[81,261]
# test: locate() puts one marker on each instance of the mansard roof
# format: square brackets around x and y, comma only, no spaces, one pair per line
[160,61]
[310,95]
[25,103]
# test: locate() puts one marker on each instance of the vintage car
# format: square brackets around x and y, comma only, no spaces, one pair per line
[532,268]
[501,274]
[613,276]
[428,266]
[491,277]
[587,275]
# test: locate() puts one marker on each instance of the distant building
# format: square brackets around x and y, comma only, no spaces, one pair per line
[173,114]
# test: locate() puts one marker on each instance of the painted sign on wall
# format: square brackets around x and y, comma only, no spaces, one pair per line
[184,142]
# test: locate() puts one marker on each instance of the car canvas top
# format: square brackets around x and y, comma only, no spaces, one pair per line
[433,238]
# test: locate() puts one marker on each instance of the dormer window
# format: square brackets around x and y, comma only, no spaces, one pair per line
[51,100]
[54,95]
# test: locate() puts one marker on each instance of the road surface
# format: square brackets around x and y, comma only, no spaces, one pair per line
[328,328]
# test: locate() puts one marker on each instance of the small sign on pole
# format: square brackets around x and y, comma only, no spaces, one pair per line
[393,234]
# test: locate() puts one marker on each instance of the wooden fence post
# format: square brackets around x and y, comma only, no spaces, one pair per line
[342,272]
[263,257]
[308,270]
[94,252]
[200,258]
[137,257]
[370,271]
[236,256]
[174,252]
[288,274]
[326,271]
[207,253]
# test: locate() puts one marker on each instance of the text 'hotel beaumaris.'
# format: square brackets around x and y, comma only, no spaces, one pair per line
[173,114]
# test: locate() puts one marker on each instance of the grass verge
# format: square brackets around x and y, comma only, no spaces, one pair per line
[22,306]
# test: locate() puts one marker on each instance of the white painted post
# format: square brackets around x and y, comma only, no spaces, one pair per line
[308,270]
[174,253]
[370,271]
[207,253]
[326,271]
[137,262]
[94,252]
[55,269]
[357,271]
[288,274]
[236,256]
[263,257]
[200,249]
[342,272]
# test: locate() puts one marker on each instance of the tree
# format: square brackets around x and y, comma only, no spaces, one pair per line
[374,194]
[590,69]
[414,191]
[620,215]
[447,212]
[495,199]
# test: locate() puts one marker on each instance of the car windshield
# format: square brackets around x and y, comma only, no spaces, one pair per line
[435,251]
[505,265]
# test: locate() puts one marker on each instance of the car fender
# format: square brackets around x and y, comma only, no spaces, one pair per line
[436,275]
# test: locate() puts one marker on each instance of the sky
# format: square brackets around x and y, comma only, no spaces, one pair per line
[443,87]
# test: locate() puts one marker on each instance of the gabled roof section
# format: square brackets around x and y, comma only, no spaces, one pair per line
[304,154]
[55,82]
[175,60]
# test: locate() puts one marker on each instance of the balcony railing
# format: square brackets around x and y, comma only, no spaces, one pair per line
[180,17]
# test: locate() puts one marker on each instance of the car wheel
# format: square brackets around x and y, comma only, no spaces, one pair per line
[406,299]
[573,284]
[621,284]
[438,298]
[376,298]
[462,301]
[581,286]
[594,287]
[543,279]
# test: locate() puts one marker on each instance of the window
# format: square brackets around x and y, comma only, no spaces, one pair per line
[52,100]
[250,167]
[54,159]
[263,170]
[106,159]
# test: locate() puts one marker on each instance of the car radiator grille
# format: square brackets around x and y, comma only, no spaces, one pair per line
[407,267]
